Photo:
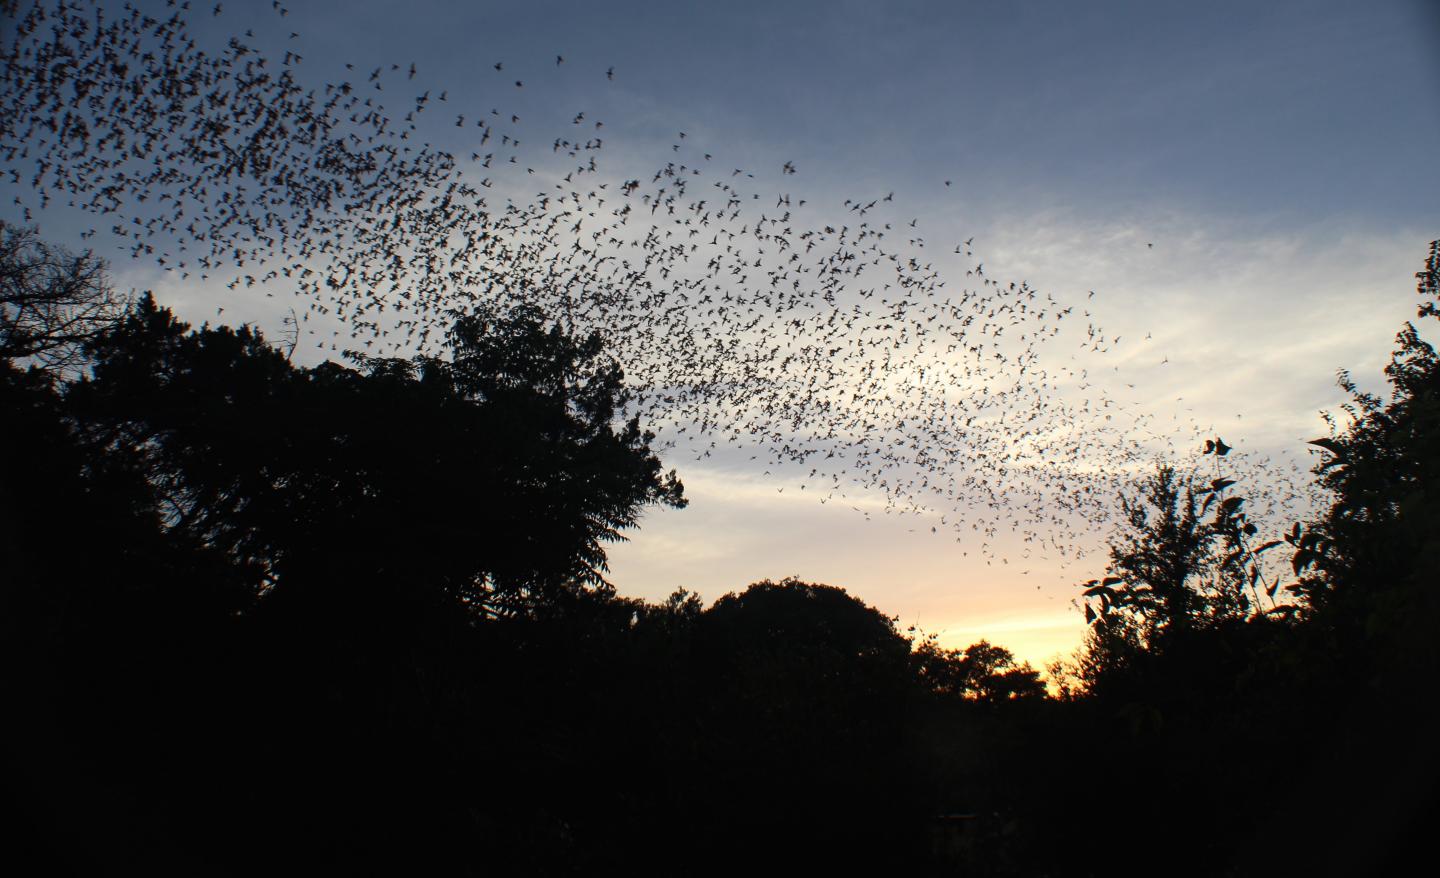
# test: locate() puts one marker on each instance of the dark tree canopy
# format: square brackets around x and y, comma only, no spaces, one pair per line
[495,476]
[1307,706]
[982,671]
[363,605]
[51,301]
[1369,566]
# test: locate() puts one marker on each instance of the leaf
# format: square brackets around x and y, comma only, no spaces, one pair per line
[1303,558]
[1328,444]
[1268,546]
[1220,447]
[1112,580]
[1089,615]
[1209,446]
[1221,484]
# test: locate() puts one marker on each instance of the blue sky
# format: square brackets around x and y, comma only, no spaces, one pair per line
[1251,185]
[1285,108]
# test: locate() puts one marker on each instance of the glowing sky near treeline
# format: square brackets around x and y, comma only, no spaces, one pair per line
[1248,189]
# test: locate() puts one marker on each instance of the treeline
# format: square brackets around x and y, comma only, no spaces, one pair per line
[353,618]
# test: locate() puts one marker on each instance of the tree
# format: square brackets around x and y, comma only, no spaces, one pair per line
[805,690]
[51,302]
[1179,615]
[980,672]
[1369,565]
[1181,563]
[553,402]
[494,476]
[228,576]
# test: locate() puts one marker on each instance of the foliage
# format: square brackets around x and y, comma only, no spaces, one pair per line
[1186,562]
[365,604]
[980,672]
[494,482]
[1369,565]
[1363,567]
[1186,682]
[805,663]
[51,302]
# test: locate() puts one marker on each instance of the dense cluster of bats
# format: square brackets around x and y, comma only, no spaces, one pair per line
[824,339]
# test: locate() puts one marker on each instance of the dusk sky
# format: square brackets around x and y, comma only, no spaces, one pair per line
[1248,189]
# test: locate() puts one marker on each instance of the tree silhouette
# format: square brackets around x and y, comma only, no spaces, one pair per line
[982,671]
[51,302]
[1368,566]
[805,694]
[1183,565]
[212,544]
[494,476]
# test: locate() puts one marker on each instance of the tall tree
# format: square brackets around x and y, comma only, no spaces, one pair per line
[51,301]
[1369,565]
[493,475]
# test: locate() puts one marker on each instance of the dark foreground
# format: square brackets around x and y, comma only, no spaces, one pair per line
[350,620]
